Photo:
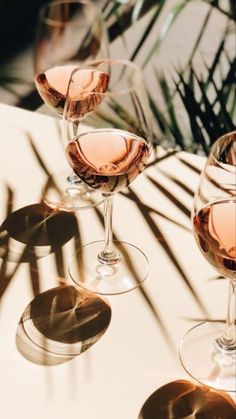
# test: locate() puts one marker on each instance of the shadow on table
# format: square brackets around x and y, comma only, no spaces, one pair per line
[185,400]
[60,324]
[147,212]
[31,233]
[35,231]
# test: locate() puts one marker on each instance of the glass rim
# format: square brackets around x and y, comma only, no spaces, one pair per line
[119,92]
[57,22]
[216,145]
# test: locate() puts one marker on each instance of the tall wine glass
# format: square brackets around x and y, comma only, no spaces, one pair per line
[208,350]
[108,154]
[68,34]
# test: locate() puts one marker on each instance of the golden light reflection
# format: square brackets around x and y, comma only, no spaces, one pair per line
[61,323]
[185,400]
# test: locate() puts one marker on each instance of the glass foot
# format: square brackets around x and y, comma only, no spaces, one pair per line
[203,362]
[125,275]
[62,192]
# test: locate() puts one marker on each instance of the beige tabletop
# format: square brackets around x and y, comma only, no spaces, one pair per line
[134,348]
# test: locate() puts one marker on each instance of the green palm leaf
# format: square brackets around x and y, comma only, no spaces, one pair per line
[165,28]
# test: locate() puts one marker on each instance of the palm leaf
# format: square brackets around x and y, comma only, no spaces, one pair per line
[231,12]
[119,16]
[164,31]
[209,104]
[148,29]
[168,97]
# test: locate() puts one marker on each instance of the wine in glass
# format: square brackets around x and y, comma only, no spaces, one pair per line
[108,154]
[208,350]
[68,34]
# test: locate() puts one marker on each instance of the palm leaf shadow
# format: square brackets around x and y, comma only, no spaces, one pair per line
[42,164]
[59,256]
[205,319]
[170,196]
[78,245]
[4,277]
[33,270]
[177,182]
[189,165]
[144,293]
[59,263]
[164,244]
[158,159]
[28,254]
[37,155]
[161,214]
[34,275]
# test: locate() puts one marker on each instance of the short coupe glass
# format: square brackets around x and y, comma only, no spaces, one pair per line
[108,154]
[208,350]
[69,33]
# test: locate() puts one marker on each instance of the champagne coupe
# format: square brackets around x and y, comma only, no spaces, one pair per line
[68,34]
[208,350]
[108,153]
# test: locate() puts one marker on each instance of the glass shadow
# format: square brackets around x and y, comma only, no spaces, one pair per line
[60,324]
[183,399]
[35,229]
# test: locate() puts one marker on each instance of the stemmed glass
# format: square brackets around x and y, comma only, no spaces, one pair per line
[108,153]
[68,34]
[208,350]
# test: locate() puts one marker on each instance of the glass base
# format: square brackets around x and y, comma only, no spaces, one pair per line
[204,362]
[65,194]
[125,275]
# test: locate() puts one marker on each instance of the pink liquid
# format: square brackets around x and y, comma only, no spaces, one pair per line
[52,87]
[215,232]
[108,160]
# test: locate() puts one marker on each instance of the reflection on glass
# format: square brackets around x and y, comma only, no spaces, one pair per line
[208,350]
[69,33]
[108,154]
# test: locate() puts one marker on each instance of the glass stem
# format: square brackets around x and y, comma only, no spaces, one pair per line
[72,178]
[227,342]
[108,256]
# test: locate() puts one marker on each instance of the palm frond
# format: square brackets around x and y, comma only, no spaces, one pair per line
[210,114]
[120,16]
[229,11]
[148,29]
[170,19]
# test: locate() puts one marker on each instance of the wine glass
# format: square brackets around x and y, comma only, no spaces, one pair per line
[208,350]
[68,33]
[108,153]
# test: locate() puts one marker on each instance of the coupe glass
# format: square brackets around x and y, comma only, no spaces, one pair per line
[68,34]
[108,153]
[208,350]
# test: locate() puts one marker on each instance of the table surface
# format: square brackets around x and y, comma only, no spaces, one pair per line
[131,350]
